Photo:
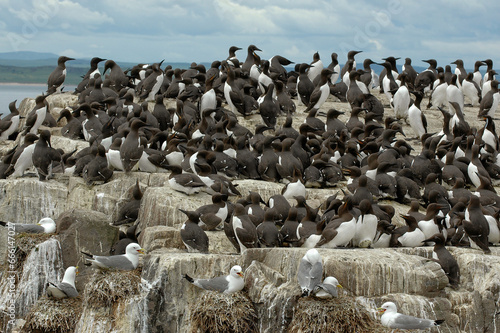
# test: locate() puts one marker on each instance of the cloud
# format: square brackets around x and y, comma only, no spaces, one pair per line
[244,19]
[43,15]
[194,30]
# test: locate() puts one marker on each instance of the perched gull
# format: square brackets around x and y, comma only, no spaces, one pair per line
[127,261]
[328,288]
[226,284]
[310,271]
[45,225]
[392,319]
[67,287]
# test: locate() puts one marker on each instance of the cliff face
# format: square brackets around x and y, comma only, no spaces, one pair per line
[163,301]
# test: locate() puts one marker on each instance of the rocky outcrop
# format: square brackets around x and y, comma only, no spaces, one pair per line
[84,230]
[165,300]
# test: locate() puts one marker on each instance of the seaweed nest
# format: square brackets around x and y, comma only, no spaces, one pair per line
[25,243]
[217,312]
[107,287]
[50,315]
[332,315]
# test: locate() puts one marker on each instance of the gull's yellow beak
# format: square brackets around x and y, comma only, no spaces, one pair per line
[380,310]
[339,286]
[240,274]
[141,251]
[77,270]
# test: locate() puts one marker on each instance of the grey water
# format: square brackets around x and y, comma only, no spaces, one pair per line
[11,92]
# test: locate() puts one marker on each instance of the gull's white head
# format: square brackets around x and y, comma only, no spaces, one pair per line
[70,275]
[332,281]
[236,271]
[312,256]
[134,249]
[387,307]
[48,225]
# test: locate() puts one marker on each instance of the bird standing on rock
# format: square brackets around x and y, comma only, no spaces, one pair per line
[193,236]
[56,78]
[44,155]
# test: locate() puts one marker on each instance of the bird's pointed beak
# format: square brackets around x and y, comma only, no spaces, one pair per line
[380,310]
[141,251]
[339,286]
[77,270]
[240,274]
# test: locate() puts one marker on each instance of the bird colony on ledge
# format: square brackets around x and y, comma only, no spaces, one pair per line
[203,142]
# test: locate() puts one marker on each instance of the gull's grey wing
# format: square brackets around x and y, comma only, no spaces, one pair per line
[217,284]
[29,228]
[303,273]
[68,289]
[118,261]
[62,290]
[410,322]
[316,275]
[332,290]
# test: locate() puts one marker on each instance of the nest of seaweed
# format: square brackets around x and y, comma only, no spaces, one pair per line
[25,242]
[51,315]
[332,315]
[107,287]
[217,312]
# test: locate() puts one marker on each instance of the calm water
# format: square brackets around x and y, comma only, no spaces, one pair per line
[11,92]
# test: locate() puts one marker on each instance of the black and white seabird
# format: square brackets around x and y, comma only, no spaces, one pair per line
[73,128]
[267,231]
[350,59]
[269,109]
[250,60]
[97,171]
[244,230]
[56,78]
[184,182]
[37,116]
[92,73]
[129,211]
[214,214]
[341,229]
[305,86]
[445,259]
[193,236]
[475,225]
[117,77]
[131,149]
[44,155]
[321,91]
[10,123]
[315,68]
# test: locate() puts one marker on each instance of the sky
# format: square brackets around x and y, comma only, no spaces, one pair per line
[202,31]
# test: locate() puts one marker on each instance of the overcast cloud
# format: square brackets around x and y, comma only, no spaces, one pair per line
[202,31]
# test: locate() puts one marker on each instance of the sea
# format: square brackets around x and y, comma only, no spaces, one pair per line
[10,92]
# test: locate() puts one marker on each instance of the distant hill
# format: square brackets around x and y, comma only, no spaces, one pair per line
[27,55]
[38,74]
[35,67]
